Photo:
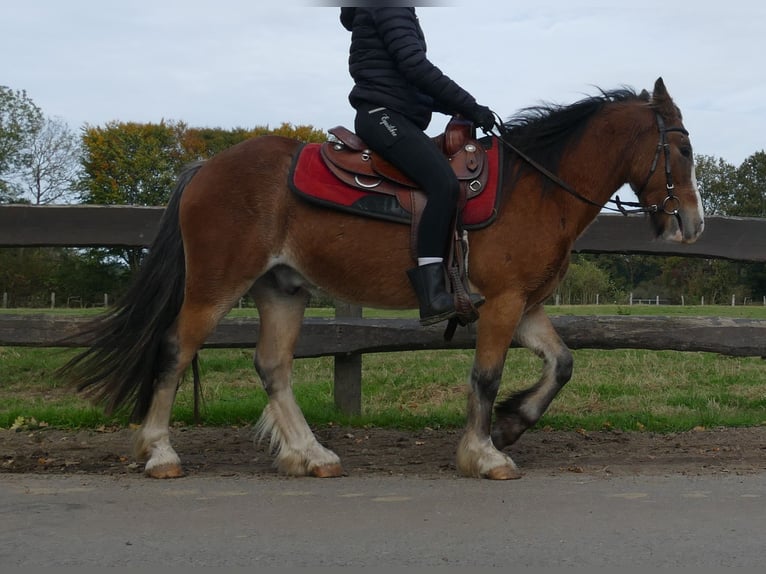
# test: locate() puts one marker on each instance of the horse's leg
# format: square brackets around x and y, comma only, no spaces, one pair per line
[281,304]
[152,440]
[476,455]
[523,409]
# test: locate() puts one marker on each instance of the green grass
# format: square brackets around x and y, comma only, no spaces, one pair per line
[623,389]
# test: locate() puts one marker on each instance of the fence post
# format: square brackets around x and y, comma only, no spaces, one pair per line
[5,300]
[347,389]
[53,299]
[733,300]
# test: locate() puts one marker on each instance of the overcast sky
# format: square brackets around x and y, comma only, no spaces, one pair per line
[242,63]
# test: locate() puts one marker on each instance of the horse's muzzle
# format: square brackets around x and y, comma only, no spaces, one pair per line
[684,226]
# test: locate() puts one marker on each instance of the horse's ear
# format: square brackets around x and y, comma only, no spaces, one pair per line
[659,87]
[661,100]
[644,95]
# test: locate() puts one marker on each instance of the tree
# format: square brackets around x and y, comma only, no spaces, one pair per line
[750,201]
[733,191]
[50,168]
[304,133]
[130,163]
[202,143]
[20,120]
[25,273]
[30,274]
[583,282]
[715,179]
[8,194]
[750,190]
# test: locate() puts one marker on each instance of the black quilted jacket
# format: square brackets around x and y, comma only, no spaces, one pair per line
[388,63]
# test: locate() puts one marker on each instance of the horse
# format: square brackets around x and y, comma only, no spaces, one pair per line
[233,226]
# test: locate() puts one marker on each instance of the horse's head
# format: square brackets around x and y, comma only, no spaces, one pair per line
[663,178]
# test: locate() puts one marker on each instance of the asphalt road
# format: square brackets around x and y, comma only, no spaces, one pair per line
[543,520]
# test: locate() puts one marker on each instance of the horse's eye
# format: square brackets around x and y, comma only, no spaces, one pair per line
[686,151]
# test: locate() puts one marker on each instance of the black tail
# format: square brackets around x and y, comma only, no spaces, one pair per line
[128,345]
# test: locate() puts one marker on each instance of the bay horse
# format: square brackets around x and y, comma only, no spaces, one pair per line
[233,226]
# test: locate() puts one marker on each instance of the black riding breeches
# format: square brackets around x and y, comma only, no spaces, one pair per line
[406,146]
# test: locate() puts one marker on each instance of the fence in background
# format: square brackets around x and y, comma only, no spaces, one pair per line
[347,337]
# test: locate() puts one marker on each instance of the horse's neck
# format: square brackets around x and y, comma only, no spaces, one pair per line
[595,169]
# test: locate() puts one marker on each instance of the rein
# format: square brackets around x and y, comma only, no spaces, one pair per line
[662,145]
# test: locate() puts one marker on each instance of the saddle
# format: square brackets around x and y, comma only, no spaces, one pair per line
[352,162]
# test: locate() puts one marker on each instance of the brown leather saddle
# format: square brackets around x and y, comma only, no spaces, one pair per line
[351,161]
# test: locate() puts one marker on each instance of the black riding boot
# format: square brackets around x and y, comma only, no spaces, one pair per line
[436,303]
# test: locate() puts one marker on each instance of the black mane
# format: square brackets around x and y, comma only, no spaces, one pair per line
[543,132]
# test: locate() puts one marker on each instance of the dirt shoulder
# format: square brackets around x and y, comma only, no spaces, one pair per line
[207,451]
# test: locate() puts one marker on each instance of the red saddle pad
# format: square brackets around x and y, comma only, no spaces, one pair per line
[314,182]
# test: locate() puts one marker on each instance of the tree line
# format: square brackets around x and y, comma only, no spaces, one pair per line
[43,161]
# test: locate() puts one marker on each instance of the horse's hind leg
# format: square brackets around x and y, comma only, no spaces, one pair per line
[523,409]
[195,322]
[207,299]
[281,302]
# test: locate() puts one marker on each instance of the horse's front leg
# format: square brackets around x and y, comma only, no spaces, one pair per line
[477,455]
[523,409]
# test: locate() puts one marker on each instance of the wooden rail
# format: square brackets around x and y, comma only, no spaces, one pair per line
[348,337]
[736,238]
[356,336]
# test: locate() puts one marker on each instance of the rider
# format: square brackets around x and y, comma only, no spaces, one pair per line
[396,89]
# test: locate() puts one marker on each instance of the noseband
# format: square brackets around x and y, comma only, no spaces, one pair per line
[622,206]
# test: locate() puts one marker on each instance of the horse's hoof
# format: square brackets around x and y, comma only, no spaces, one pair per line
[327,471]
[506,472]
[165,471]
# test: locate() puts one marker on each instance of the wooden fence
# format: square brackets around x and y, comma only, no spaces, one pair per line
[348,336]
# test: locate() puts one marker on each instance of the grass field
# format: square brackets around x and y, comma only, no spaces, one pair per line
[622,389]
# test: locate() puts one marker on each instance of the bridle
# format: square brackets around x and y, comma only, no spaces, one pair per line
[663,146]
[624,207]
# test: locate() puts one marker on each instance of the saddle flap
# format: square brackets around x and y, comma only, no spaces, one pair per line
[353,161]
[389,171]
[355,168]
